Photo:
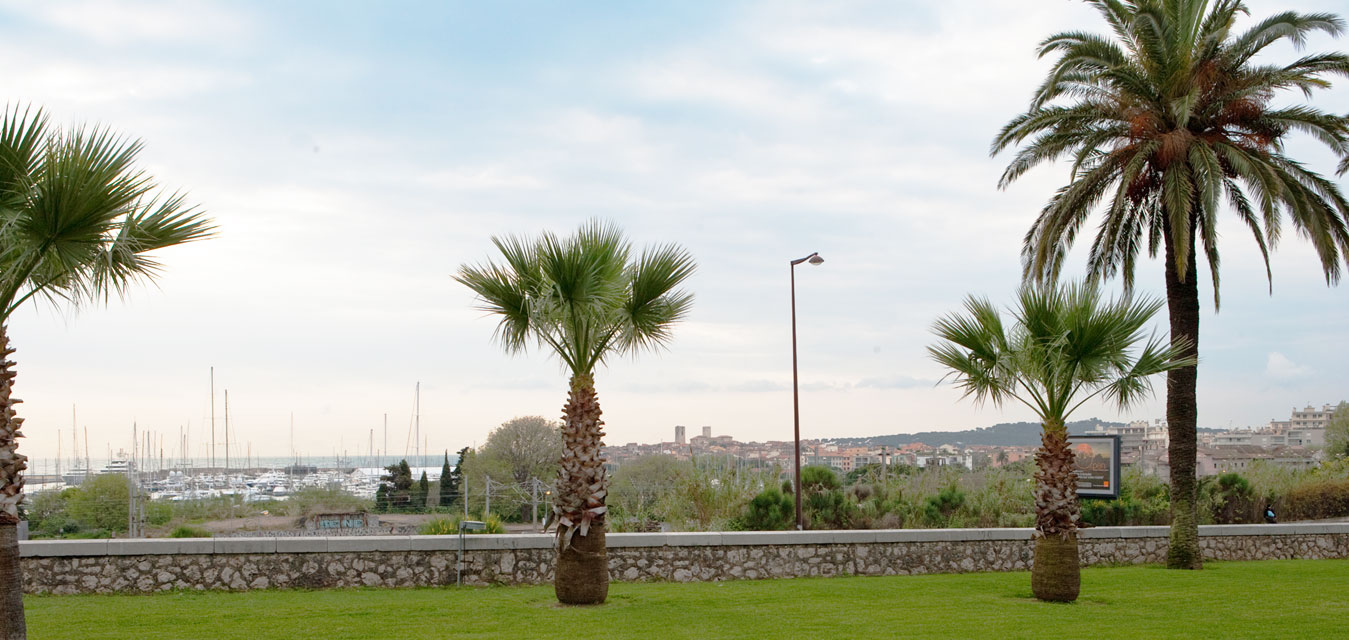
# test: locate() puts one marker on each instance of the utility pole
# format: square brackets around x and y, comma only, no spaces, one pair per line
[534,502]
[488,509]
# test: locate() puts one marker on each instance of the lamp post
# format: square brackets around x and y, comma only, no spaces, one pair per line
[813,258]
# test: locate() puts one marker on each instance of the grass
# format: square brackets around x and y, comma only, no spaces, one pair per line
[1269,599]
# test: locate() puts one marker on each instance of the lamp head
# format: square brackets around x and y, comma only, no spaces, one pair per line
[816,259]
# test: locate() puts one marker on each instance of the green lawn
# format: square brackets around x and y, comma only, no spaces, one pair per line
[1270,599]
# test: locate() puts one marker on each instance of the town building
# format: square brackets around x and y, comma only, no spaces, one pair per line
[1211,461]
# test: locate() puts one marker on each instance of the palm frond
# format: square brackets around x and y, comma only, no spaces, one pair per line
[581,296]
[80,221]
[1064,345]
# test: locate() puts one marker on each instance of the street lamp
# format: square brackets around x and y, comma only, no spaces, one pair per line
[813,258]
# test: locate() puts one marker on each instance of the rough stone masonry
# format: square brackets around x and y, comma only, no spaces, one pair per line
[239,564]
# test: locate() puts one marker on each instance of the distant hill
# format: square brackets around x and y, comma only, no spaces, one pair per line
[1007,434]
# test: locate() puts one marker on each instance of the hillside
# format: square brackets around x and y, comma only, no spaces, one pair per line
[1007,434]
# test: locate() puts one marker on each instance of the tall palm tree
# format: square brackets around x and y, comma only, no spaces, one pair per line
[1168,123]
[77,220]
[1062,347]
[582,299]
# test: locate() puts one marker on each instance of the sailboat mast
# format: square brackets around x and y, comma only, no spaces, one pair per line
[212,417]
[227,429]
[417,411]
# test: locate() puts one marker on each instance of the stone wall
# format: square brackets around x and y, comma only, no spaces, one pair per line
[108,566]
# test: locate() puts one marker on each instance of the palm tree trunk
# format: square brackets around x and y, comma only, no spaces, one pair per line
[1056,573]
[582,574]
[1182,297]
[12,464]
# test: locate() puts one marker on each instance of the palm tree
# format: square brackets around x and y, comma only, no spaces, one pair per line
[1063,347]
[582,299]
[1167,123]
[77,220]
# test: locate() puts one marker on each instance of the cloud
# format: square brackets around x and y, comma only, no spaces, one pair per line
[139,23]
[758,386]
[1281,369]
[895,382]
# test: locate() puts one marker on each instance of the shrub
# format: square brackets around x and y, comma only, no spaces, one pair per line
[769,511]
[941,507]
[1229,498]
[1143,500]
[439,527]
[450,526]
[184,531]
[818,478]
[158,513]
[320,499]
[829,509]
[1317,499]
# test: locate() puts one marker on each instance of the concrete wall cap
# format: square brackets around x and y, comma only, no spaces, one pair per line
[303,544]
[245,545]
[144,547]
[365,544]
[693,539]
[622,540]
[62,548]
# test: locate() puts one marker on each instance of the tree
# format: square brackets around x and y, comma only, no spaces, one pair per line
[516,453]
[420,492]
[398,486]
[449,485]
[1063,346]
[583,299]
[78,224]
[382,504]
[101,503]
[1337,432]
[1164,122]
[458,490]
[528,447]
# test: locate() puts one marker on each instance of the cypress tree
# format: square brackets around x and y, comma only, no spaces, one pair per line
[448,483]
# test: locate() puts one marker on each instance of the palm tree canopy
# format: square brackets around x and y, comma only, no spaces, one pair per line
[1167,119]
[77,218]
[1063,346]
[581,296]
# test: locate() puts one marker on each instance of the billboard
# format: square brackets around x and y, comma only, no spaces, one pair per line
[1097,465]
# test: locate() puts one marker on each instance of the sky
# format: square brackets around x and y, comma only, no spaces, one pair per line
[355,154]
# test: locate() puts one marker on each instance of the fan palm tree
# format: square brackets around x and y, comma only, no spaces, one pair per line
[1063,346]
[583,300]
[77,220]
[1168,123]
